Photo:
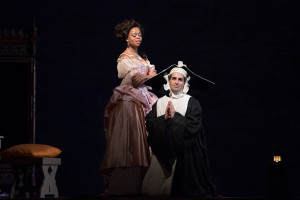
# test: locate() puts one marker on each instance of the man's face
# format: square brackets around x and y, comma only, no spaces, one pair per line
[176,82]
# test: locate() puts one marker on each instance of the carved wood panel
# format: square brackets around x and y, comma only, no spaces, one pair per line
[17,86]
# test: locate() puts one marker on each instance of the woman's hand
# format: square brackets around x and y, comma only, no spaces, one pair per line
[138,79]
[152,72]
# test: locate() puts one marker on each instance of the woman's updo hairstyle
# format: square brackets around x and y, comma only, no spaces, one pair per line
[122,29]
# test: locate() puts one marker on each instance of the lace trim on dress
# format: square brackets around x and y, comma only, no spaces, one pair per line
[127,56]
[131,57]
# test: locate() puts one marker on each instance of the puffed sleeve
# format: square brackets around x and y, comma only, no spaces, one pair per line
[150,65]
[126,66]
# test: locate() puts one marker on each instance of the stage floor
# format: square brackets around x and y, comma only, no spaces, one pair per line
[147,198]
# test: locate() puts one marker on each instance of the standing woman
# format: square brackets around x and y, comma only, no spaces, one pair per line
[127,155]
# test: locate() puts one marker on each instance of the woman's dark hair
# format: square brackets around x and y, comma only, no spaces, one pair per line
[122,29]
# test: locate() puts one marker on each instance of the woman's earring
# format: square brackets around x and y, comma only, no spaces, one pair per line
[127,43]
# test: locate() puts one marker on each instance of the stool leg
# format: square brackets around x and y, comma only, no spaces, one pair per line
[13,190]
[49,182]
[18,185]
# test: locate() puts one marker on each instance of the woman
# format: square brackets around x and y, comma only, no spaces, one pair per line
[127,155]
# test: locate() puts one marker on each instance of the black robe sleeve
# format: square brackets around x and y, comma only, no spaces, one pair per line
[183,138]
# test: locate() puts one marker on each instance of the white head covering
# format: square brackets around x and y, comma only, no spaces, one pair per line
[180,70]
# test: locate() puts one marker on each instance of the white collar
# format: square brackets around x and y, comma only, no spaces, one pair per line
[176,96]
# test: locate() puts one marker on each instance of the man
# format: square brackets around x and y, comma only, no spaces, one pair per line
[179,166]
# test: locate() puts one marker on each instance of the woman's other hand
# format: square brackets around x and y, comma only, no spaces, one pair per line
[138,79]
[152,72]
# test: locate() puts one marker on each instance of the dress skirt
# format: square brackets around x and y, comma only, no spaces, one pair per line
[127,155]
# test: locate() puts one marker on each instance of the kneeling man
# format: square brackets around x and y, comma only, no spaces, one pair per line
[179,166]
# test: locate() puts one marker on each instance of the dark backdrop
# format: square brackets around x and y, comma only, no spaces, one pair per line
[248,48]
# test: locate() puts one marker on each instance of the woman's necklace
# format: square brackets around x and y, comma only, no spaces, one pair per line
[137,55]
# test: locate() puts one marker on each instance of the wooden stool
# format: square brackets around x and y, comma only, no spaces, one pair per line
[25,180]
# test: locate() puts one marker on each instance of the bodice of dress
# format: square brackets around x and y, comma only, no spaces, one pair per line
[128,67]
